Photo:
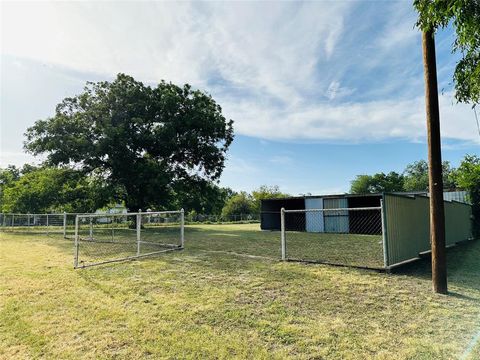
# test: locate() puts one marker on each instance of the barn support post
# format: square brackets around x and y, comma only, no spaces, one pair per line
[384,234]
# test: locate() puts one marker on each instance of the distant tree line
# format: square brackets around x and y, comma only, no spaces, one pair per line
[44,189]
[32,189]
[415,178]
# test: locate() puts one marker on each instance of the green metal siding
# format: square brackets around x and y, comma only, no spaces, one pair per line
[336,221]
[408,226]
[458,222]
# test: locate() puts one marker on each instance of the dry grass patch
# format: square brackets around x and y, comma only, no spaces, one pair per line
[200,304]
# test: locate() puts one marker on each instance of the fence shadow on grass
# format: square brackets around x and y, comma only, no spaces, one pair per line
[247,242]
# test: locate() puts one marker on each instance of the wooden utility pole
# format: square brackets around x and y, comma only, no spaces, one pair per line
[437,211]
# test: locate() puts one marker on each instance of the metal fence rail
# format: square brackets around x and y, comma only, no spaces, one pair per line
[375,237]
[344,236]
[213,219]
[54,223]
[105,238]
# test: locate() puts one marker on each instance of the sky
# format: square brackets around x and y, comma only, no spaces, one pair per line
[319,91]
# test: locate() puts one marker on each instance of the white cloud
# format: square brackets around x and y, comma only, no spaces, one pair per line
[354,122]
[281,159]
[399,30]
[247,44]
[335,91]
[237,165]
[272,66]
[17,158]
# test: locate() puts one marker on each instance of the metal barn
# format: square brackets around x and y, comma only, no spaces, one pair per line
[348,229]
[341,221]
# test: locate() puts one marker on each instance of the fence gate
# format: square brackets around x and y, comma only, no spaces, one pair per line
[105,238]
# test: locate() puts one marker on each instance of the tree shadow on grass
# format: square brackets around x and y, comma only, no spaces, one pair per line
[463,267]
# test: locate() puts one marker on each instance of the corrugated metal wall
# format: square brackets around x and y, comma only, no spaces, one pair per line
[336,221]
[461,196]
[458,222]
[314,220]
[408,226]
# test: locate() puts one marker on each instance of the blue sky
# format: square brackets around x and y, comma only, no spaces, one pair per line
[319,91]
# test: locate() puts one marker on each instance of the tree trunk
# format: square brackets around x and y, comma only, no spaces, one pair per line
[437,212]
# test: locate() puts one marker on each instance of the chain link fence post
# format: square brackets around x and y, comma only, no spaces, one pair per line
[75,256]
[91,228]
[282,229]
[182,228]
[139,230]
[64,225]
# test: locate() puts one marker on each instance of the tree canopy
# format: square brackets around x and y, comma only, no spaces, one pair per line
[380,182]
[39,190]
[241,203]
[266,192]
[416,176]
[413,178]
[202,197]
[464,15]
[467,176]
[145,142]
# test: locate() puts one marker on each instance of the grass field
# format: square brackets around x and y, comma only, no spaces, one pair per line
[208,302]
[345,249]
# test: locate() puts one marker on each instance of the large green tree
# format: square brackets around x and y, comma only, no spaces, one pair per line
[464,15]
[8,177]
[467,175]
[416,176]
[239,204]
[266,192]
[377,183]
[146,141]
[202,197]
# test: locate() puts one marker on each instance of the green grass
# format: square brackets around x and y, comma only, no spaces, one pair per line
[198,303]
[247,239]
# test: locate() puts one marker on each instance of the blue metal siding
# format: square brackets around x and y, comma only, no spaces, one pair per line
[314,220]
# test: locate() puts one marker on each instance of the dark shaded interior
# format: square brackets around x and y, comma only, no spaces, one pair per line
[365,222]
[270,215]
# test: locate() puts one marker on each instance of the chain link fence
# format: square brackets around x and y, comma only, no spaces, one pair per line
[46,224]
[221,219]
[348,237]
[105,238]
